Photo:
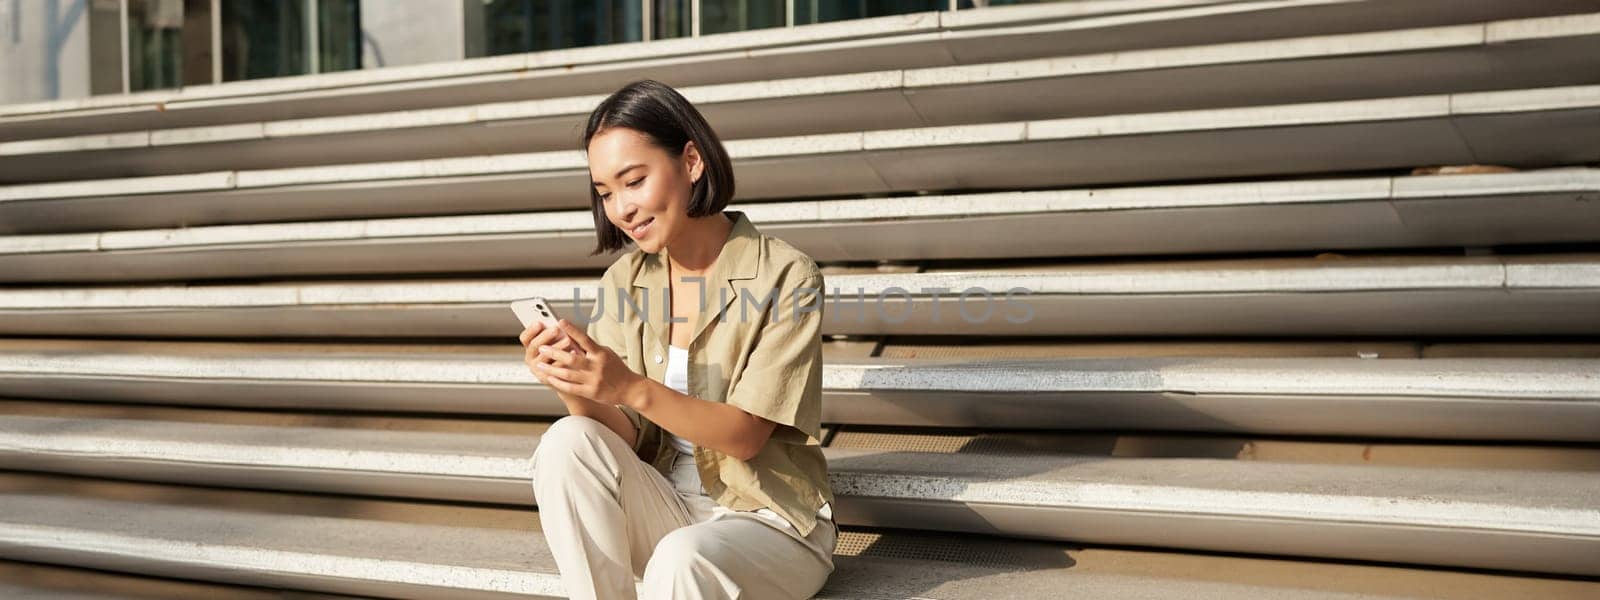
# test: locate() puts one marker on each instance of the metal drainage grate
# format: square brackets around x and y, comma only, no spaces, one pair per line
[954,548]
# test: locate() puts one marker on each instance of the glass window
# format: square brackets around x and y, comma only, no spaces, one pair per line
[721,16]
[338,35]
[155,44]
[672,19]
[513,26]
[981,3]
[823,11]
[271,38]
[263,38]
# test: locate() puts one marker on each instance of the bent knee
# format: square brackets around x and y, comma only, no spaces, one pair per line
[576,425]
[567,436]
[682,548]
[570,430]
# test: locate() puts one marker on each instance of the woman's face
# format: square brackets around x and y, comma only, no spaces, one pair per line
[644,189]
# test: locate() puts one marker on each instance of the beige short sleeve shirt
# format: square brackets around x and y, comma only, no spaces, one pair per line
[757,344]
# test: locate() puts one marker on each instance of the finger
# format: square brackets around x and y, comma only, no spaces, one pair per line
[570,388]
[559,372]
[559,385]
[528,332]
[537,373]
[546,337]
[580,337]
[565,343]
[545,359]
[530,352]
[560,357]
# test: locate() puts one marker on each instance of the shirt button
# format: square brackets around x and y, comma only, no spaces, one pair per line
[658,359]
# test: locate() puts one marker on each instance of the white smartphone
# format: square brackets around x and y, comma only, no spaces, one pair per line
[533,309]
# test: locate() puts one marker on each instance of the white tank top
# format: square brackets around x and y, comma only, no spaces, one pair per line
[678,379]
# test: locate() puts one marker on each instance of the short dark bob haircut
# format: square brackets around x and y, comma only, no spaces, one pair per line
[667,119]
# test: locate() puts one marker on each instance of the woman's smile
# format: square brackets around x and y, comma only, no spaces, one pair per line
[643,228]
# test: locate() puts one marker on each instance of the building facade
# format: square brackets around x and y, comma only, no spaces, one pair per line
[61,49]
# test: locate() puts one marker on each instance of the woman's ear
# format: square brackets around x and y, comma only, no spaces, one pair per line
[692,162]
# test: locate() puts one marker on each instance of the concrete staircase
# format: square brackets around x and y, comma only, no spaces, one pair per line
[254,343]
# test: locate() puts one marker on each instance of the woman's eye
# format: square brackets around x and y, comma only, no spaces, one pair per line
[635,182]
[605,196]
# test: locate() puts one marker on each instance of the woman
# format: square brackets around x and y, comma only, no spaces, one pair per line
[692,455]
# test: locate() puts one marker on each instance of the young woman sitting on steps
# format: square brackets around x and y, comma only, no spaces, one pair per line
[692,456]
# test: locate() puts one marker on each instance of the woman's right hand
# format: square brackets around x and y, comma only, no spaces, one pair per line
[536,335]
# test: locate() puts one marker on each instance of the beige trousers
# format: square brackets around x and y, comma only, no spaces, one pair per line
[609,517]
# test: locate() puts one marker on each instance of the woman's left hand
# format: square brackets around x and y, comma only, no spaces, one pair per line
[596,372]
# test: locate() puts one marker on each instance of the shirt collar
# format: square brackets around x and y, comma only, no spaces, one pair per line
[740,259]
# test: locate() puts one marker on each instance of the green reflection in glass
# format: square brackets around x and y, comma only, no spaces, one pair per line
[671,19]
[271,38]
[155,44]
[513,26]
[338,35]
[824,11]
[263,38]
[721,16]
[965,4]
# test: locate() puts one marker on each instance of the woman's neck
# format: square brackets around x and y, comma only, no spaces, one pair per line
[696,250]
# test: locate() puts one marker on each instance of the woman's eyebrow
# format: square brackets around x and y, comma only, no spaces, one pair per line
[619,173]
